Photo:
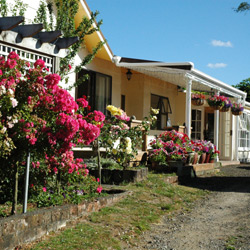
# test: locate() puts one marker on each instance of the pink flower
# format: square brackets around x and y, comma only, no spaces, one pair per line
[39,63]
[82,102]
[70,67]
[97,179]
[13,55]
[44,189]
[10,64]
[1,72]
[99,189]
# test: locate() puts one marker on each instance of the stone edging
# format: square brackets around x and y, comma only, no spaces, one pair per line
[25,228]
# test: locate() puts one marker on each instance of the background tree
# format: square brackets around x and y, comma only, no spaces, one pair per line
[244,6]
[244,85]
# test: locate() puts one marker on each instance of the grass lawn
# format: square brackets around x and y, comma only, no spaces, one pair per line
[121,224]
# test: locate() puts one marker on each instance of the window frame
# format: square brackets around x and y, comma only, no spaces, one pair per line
[91,97]
[159,116]
[194,128]
[244,132]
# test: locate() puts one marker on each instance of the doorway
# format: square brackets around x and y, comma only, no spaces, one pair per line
[209,125]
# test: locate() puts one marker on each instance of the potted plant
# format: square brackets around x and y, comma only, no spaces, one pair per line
[158,157]
[214,155]
[216,101]
[226,106]
[197,98]
[237,108]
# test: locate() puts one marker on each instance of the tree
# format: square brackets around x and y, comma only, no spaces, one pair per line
[244,85]
[244,6]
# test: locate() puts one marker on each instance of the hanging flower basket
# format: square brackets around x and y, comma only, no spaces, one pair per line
[197,102]
[227,105]
[216,107]
[224,109]
[198,99]
[216,102]
[237,109]
[237,112]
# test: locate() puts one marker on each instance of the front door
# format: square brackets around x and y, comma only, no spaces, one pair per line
[209,125]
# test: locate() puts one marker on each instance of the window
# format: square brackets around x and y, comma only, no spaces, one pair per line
[163,104]
[123,102]
[196,124]
[244,132]
[97,88]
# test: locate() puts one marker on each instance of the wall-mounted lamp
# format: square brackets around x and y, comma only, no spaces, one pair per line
[129,74]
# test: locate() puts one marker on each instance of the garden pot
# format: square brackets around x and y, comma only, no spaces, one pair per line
[154,164]
[236,112]
[197,102]
[224,109]
[190,158]
[212,160]
[207,158]
[203,158]
[195,159]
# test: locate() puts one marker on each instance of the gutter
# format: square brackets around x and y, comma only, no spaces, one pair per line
[220,83]
[117,59]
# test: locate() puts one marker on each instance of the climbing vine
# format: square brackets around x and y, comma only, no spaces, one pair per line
[3,8]
[42,15]
[18,9]
[65,21]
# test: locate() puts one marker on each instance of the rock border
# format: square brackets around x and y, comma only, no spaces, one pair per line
[21,229]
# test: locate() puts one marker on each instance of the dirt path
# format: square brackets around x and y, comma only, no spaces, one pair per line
[221,221]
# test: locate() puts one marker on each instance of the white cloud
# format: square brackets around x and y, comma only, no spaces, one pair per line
[218,43]
[217,65]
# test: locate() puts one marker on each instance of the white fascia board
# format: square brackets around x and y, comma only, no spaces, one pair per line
[247,104]
[98,32]
[219,84]
[150,64]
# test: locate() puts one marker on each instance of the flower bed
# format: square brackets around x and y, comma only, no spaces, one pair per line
[176,146]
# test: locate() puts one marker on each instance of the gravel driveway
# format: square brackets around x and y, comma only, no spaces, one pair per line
[221,221]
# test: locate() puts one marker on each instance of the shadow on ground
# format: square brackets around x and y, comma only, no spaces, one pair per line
[231,179]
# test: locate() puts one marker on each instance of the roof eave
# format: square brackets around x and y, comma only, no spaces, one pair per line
[99,33]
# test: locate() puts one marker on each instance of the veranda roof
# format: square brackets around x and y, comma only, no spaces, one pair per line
[178,73]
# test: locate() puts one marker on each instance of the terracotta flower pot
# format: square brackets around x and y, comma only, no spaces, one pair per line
[212,160]
[195,158]
[207,158]
[203,158]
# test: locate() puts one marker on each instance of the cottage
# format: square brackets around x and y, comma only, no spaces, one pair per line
[135,85]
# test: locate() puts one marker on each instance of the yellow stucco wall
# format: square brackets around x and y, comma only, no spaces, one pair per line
[107,68]
[138,96]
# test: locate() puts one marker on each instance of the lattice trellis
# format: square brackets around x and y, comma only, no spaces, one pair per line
[27,55]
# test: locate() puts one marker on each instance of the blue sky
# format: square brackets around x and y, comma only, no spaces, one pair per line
[208,33]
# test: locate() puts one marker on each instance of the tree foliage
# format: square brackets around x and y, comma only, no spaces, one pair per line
[244,85]
[244,6]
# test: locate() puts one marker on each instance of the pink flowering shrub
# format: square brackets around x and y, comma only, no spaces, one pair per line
[37,115]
